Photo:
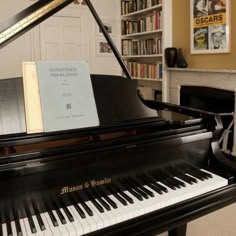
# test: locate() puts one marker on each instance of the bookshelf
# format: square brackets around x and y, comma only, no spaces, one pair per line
[145,32]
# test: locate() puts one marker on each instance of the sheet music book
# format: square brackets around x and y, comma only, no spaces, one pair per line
[62,95]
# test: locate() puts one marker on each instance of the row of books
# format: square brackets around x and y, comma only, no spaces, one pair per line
[144,24]
[145,70]
[128,6]
[133,47]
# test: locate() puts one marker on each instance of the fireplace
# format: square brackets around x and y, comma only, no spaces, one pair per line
[208,89]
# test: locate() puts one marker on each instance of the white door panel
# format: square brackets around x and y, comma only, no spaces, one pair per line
[62,39]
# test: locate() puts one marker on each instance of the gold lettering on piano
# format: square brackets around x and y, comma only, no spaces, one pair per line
[85,185]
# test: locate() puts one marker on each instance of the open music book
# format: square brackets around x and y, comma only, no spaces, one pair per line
[58,96]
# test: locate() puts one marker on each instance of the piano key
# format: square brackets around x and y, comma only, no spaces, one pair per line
[108,199]
[77,207]
[38,216]
[202,173]
[54,229]
[22,225]
[140,185]
[186,178]
[38,230]
[61,226]
[17,222]
[96,216]
[196,175]
[70,226]
[83,204]
[117,195]
[94,201]
[4,229]
[100,199]
[28,228]
[51,214]
[135,188]
[29,218]
[80,221]
[65,209]
[57,211]
[1,233]
[153,181]
[13,227]
[48,231]
[8,222]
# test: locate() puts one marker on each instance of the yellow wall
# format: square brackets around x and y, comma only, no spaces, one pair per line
[181,39]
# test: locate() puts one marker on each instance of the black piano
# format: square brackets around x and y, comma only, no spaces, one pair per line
[135,174]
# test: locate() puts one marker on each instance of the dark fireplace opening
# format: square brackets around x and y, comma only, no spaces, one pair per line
[210,99]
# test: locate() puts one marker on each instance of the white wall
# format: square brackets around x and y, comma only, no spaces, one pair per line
[27,47]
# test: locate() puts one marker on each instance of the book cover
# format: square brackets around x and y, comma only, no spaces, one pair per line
[33,113]
[66,95]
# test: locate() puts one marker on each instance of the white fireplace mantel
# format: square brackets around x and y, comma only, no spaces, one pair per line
[220,79]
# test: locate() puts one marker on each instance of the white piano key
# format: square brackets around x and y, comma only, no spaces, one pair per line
[78,226]
[100,220]
[4,229]
[54,230]
[47,231]
[13,227]
[84,223]
[92,223]
[22,225]
[61,227]
[39,231]
[69,225]
[27,227]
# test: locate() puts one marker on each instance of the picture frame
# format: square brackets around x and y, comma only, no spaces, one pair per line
[103,49]
[210,26]
[109,26]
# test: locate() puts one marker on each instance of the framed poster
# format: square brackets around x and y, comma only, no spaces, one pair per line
[210,26]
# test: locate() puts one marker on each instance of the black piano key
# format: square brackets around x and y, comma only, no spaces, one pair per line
[147,191]
[17,222]
[180,183]
[162,179]
[65,209]
[196,175]
[133,193]
[30,219]
[154,182]
[186,178]
[8,222]
[122,193]
[100,199]
[79,198]
[203,173]
[149,184]
[58,211]
[108,199]
[38,216]
[117,196]
[1,233]
[51,215]
[76,206]
[94,201]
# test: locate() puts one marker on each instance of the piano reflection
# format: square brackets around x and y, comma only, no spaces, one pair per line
[135,174]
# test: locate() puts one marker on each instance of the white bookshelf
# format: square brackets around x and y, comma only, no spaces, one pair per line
[138,28]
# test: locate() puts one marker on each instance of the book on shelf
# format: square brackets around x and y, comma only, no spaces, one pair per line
[129,6]
[58,96]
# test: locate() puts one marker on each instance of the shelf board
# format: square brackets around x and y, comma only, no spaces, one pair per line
[143,11]
[141,33]
[147,79]
[142,56]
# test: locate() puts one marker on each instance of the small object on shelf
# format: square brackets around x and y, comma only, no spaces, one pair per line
[181,62]
[170,56]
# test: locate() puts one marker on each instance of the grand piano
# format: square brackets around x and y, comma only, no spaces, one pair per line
[135,174]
